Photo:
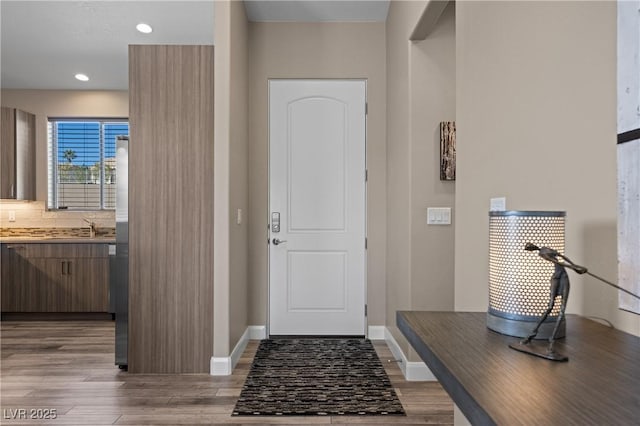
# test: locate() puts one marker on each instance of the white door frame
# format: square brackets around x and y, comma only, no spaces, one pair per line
[365,332]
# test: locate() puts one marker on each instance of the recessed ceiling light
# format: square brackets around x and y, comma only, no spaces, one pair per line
[144,28]
[82,77]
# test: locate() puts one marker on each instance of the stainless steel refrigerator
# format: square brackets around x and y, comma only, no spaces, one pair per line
[119,262]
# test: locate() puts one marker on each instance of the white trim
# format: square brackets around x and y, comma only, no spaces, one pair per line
[239,349]
[220,366]
[412,371]
[223,366]
[376,332]
[257,332]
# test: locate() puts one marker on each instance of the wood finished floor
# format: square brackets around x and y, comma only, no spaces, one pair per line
[68,366]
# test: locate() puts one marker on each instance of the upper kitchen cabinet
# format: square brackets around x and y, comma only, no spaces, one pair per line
[17,155]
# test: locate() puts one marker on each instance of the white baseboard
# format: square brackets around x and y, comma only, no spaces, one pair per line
[257,332]
[412,371]
[376,332]
[223,366]
[220,366]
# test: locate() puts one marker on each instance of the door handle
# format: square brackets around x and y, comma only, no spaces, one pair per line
[277,241]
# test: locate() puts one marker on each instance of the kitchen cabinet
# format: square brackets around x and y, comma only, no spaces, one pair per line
[62,277]
[17,154]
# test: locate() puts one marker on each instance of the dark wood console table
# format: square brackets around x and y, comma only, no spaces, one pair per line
[493,384]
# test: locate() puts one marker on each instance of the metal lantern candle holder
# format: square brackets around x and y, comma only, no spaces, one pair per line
[519,283]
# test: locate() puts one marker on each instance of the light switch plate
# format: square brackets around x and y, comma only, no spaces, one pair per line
[12,215]
[239,217]
[439,216]
[498,204]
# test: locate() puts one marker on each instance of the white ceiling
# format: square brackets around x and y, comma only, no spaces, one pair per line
[45,43]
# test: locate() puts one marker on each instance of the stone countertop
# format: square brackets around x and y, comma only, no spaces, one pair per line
[50,240]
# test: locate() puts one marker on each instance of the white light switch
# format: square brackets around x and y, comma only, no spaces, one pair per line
[439,216]
[12,216]
[498,204]
[239,217]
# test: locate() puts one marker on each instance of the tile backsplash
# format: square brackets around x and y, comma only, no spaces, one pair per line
[34,214]
[56,232]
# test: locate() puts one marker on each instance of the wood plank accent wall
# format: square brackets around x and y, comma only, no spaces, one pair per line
[170,208]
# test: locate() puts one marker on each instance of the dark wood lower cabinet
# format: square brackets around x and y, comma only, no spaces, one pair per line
[89,285]
[44,288]
[39,278]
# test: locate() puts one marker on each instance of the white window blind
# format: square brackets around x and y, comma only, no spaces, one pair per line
[82,163]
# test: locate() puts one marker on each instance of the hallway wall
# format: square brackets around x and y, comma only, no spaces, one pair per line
[420,94]
[316,50]
[537,123]
[231,176]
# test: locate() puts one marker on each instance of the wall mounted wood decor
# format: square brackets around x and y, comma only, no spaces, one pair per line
[447,150]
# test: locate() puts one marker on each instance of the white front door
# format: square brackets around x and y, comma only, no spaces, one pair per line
[317,207]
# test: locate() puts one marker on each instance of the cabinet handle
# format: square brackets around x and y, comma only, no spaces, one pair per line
[15,247]
[63,267]
[68,268]
[12,191]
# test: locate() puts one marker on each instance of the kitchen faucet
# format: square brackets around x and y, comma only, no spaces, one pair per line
[92,228]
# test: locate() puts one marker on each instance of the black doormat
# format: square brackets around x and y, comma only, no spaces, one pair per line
[317,376]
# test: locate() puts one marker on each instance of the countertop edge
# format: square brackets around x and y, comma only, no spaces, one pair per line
[474,412]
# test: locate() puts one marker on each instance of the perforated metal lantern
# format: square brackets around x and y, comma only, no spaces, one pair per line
[519,280]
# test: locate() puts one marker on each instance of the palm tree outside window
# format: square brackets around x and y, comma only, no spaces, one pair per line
[81,162]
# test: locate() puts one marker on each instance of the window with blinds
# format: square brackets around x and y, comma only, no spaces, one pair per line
[82,163]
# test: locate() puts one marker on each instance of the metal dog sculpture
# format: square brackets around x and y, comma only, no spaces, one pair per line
[559,287]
